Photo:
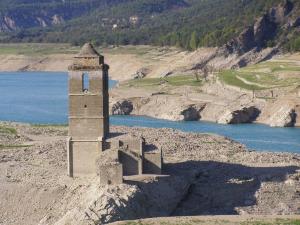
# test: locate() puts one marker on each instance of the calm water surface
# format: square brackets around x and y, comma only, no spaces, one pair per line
[41,97]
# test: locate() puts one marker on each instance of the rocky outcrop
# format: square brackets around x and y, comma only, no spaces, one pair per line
[191,113]
[153,197]
[12,22]
[169,108]
[122,107]
[7,24]
[57,19]
[243,115]
[166,73]
[284,117]
[141,73]
[251,45]
[283,112]
[264,29]
[280,12]
[243,43]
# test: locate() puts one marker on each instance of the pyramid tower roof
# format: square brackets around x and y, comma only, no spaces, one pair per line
[88,51]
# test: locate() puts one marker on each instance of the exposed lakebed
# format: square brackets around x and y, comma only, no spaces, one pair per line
[41,97]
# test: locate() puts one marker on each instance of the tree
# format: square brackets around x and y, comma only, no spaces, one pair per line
[193,41]
[296,45]
[197,73]
[206,70]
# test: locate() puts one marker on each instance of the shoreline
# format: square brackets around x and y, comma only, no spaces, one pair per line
[247,142]
[156,118]
[145,115]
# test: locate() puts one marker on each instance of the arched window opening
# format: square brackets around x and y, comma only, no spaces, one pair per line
[85,82]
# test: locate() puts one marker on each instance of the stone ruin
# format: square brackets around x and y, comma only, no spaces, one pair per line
[91,148]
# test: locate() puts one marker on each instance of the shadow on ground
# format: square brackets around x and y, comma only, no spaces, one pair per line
[216,188]
[221,187]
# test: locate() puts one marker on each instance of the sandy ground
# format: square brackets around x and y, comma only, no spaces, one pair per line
[34,187]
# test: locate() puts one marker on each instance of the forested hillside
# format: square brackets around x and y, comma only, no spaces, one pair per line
[184,23]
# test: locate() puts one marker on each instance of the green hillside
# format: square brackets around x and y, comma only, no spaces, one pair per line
[185,23]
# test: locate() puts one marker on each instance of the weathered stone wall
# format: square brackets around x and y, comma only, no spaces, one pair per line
[87,108]
[82,157]
[88,113]
[86,128]
[86,105]
[132,163]
[111,174]
[134,144]
[87,61]
[152,162]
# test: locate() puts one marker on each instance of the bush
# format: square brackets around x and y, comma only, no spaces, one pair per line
[296,45]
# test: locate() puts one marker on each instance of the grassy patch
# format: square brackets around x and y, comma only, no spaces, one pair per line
[44,49]
[14,146]
[266,75]
[8,130]
[295,222]
[229,77]
[130,49]
[172,81]
[32,49]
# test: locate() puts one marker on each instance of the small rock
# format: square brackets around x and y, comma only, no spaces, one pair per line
[122,107]
[243,115]
[141,73]
[39,152]
[166,74]
[190,114]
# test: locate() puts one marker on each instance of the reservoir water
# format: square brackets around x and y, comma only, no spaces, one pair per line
[41,97]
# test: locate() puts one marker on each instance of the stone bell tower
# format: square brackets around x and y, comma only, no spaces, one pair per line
[88,110]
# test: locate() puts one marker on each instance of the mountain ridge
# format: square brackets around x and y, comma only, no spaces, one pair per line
[187,24]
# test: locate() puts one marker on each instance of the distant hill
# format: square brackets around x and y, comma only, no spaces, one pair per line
[184,23]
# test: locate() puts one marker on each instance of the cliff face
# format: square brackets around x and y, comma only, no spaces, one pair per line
[19,15]
[259,41]
[12,22]
[265,30]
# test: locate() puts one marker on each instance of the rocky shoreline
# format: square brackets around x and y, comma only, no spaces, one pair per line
[202,172]
[213,102]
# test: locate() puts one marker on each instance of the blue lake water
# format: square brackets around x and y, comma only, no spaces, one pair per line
[41,97]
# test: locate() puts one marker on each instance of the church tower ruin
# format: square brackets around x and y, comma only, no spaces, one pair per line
[91,148]
[88,109]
